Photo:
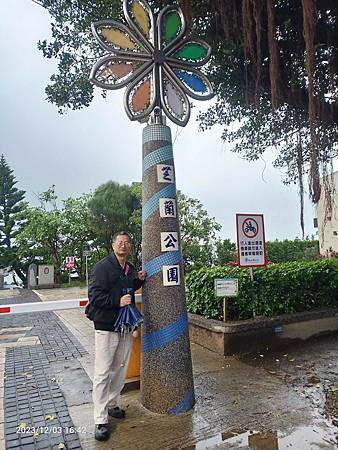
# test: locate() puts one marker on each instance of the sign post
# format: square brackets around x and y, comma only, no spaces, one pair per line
[251,245]
[87,251]
[70,264]
[250,240]
[226,287]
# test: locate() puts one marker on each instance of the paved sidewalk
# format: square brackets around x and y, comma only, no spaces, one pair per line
[262,401]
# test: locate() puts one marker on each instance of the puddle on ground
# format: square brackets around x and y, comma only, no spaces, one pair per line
[302,438]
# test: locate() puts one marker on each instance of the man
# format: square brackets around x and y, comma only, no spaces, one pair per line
[110,279]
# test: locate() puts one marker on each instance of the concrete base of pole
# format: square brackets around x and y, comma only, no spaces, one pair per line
[166,379]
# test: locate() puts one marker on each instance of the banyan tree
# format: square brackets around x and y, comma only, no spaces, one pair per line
[274,68]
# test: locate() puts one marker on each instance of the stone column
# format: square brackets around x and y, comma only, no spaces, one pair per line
[166,381]
[32,275]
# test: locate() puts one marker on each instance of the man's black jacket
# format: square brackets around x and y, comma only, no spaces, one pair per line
[106,284]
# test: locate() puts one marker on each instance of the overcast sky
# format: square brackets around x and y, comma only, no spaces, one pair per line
[83,149]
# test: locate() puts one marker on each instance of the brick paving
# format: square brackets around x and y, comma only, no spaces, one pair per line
[32,398]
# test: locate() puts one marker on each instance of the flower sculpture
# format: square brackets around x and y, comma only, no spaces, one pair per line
[154,59]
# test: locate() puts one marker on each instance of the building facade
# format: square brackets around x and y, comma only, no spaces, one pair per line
[328,228]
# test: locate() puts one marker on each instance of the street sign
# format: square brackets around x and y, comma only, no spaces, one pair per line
[87,250]
[70,262]
[226,287]
[250,240]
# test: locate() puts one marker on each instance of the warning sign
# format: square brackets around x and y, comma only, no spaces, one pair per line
[250,240]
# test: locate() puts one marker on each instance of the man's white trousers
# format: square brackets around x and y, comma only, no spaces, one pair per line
[112,354]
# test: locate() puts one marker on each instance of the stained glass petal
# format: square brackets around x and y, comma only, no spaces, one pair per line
[114,72]
[174,101]
[116,38]
[195,52]
[140,96]
[191,51]
[142,18]
[194,83]
[172,26]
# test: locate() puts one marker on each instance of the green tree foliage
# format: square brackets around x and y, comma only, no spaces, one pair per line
[78,231]
[292,250]
[198,232]
[11,204]
[41,239]
[274,68]
[51,233]
[225,252]
[112,209]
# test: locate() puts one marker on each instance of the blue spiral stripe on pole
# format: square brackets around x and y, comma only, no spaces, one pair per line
[155,265]
[152,204]
[186,404]
[168,334]
[161,155]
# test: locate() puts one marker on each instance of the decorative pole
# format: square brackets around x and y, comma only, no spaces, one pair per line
[158,64]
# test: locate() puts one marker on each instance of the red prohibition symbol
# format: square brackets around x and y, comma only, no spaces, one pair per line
[250,227]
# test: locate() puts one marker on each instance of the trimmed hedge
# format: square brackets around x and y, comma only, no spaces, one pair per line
[277,289]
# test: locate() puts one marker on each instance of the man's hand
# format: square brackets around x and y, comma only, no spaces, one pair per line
[125,300]
[142,275]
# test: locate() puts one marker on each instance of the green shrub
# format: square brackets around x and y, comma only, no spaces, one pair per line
[277,289]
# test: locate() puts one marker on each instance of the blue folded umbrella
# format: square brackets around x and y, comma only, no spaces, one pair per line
[129,317]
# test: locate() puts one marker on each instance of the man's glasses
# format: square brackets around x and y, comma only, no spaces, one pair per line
[121,244]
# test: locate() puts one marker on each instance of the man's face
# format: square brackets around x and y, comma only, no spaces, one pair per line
[121,246]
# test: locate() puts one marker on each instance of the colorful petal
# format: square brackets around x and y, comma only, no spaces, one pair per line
[140,96]
[174,101]
[171,28]
[114,72]
[140,19]
[194,83]
[195,52]
[116,38]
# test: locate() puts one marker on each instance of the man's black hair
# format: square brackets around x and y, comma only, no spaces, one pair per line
[121,233]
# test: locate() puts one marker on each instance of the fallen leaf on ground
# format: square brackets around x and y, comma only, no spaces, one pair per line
[22,425]
[61,445]
[313,379]
[49,417]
